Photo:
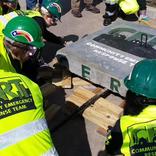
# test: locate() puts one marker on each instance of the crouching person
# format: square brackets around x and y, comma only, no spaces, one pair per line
[134,133]
[23,129]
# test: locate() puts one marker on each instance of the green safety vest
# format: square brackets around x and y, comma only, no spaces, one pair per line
[29,13]
[23,128]
[139,133]
[129,6]
[1,10]
[4,19]
[5,62]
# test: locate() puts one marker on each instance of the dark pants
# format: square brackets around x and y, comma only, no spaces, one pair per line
[32,3]
[49,51]
[142,4]
[75,4]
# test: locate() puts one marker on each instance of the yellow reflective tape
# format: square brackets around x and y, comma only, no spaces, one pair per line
[112,1]
[6,18]
[12,14]
[3,20]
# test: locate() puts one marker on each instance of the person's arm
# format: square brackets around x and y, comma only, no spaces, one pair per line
[47,35]
[115,140]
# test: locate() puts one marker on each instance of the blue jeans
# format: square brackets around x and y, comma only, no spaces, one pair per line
[32,3]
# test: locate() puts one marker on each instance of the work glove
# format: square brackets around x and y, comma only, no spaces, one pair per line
[44,74]
[49,74]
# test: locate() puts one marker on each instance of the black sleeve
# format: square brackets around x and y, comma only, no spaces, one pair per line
[113,145]
[5,9]
[142,4]
[47,35]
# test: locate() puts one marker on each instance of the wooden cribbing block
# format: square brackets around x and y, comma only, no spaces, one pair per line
[81,95]
[65,83]
[151,23]
[74,81]
[102,112]
[79,82]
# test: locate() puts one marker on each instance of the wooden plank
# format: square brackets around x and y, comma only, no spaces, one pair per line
[151,23]
[102,112]
[65,83]
[80,82]
[80,95]
[73,81]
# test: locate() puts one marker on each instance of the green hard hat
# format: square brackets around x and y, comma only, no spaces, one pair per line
[25,30]
[53,6]
[142,79]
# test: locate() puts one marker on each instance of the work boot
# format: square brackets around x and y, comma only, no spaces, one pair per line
[92,9]
[76,13]
[109,19]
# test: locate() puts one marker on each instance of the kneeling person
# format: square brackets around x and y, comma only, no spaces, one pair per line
[24,130]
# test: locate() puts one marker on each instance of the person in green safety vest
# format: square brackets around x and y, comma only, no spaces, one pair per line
[7,6]
[24,129]
[124,9]
[50,13]
[21,40]
[134,134]
[46,15]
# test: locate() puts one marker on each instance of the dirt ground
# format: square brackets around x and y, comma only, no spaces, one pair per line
[151,3]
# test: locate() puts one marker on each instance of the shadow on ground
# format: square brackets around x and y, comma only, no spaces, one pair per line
[50,49]
[70,138]
[71,37]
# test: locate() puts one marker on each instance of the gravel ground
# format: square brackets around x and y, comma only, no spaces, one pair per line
[151,3]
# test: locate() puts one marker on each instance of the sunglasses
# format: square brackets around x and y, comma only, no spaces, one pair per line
[28,49]
[53,17]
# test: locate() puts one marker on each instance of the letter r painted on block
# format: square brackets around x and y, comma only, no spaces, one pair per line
[114,85]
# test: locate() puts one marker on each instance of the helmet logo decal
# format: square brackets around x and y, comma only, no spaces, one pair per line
[57,6]
[23,33]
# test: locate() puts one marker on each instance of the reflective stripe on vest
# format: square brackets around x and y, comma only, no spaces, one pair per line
[51,152]
[112,1]
[6,18]
[28,13]
[18,134]
[129,6]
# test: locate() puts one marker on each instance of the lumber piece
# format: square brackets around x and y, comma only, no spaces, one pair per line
[65,83]
[103,113]
[74,81]
[80,82]
[81,95]
[150,22]
[82,108]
